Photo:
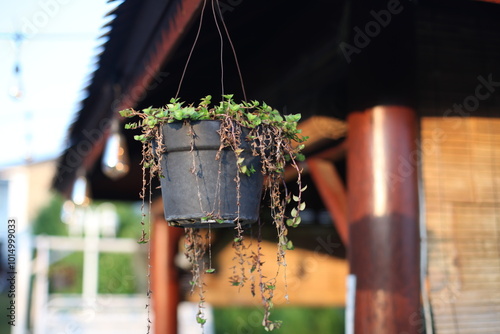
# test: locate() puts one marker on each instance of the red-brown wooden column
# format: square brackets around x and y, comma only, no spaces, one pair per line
[164,274]
[383,220]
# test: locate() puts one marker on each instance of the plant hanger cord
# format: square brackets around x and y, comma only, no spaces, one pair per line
[221,38]
[216,12]
[192,49]
[233,50]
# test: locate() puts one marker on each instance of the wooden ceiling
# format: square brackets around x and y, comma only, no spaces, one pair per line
[289,56]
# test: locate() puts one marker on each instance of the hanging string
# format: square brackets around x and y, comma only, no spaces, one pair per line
[192,49]
[221,46]
[233,50]
[217,14]
[148,238]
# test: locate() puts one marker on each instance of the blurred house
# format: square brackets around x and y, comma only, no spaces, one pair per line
[412,187]
[24,190]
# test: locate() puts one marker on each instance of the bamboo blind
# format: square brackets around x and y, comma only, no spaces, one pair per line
[461,174]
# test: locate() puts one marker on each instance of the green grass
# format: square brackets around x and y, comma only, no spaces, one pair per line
[296,320]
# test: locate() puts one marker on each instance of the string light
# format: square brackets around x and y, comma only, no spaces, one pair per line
[16,90]
[115,160]
[81,190]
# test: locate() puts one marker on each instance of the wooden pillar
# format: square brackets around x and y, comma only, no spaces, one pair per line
[164,274]
[383,220]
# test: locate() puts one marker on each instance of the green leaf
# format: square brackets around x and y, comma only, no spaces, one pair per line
[152,122]
[126,112]
[188,112]
[296,198]
[195,116]
[289,245]
[162,114]
[210,271]
[206,100]
[290,222]
[302,206]
[251,117]
[300,157]
[178,115]
[297,221]
[294,213]
[131,126]
[148,111]
[292,118]
[244,170]
[201,320]
[203,112]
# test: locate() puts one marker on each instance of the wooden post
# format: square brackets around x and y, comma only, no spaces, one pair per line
[164,275]
[383,217]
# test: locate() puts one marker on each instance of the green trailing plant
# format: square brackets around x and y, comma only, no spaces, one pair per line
[274,138]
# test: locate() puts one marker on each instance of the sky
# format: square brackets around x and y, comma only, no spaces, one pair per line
[57,54]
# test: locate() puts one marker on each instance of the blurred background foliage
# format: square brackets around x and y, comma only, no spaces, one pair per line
[296,320]
[118,273]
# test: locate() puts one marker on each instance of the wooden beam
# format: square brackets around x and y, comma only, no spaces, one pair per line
[332,191]
[330,154]
[320,129]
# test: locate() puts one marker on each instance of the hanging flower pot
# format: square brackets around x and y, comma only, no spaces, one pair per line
[212,160]
[201,183]
[213,163]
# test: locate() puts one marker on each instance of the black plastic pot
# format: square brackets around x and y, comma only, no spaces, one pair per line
[195,185]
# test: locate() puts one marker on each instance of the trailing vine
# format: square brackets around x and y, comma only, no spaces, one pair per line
[274,138]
